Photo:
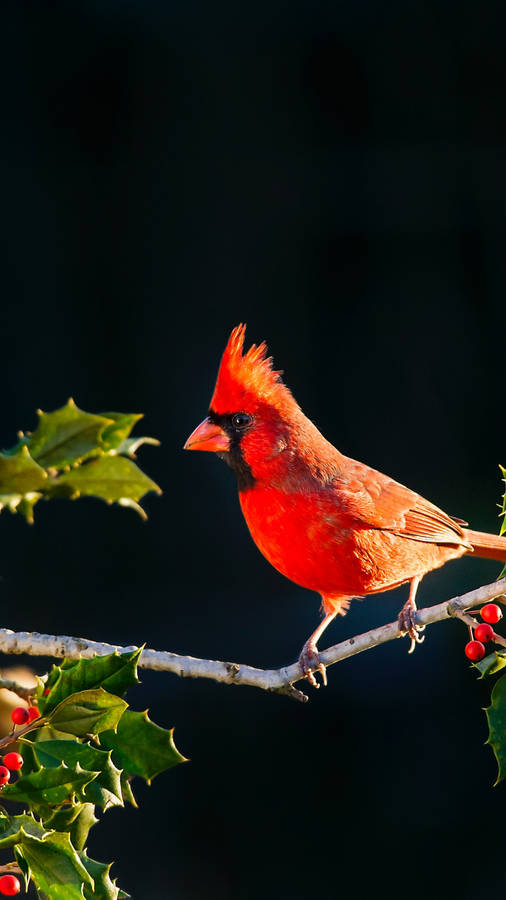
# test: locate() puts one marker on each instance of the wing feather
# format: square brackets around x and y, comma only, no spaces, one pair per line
[376,501]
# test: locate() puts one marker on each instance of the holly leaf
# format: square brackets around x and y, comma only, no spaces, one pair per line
[496,716]
[118,429]
[129,446]
[48,787]
[87,712]
[128,794]
[23,865]
[105,789]
[19,473]
[115,479]
[115,672]
[66,436]
[76,819]
[104,888]
[141,747]
[11,826]
[491,664]
[55,866]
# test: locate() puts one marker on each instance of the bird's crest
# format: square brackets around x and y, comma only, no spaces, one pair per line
[247,377]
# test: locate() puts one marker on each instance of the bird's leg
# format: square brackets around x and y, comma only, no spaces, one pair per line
[309,658]
[407,623]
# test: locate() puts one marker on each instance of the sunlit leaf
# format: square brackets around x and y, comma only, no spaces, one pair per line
[141,747]
[87,712]
[66,436]
[115,479]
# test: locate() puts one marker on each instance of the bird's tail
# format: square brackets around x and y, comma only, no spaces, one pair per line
[490,546]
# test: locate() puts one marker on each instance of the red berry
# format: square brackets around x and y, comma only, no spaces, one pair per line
[4,775]
[9,885]
[13,761]
[20,715]
[491,613]
[33,713]
[47,691]
[484,633]
[474,650]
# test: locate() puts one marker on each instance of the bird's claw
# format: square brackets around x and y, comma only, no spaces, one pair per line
[409,626]
[309,661]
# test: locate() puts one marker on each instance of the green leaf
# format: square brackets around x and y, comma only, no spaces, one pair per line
[12,826]
[115,672]
[23,865]
[104,888]
[76,819]
[492,663]
[112,478]
[87,712]
[118,430]
[56,868]
[496,716]
[105,789]
[19,473]
[128,794]
[66,436]
[141,747]
[129,446]
[48,787]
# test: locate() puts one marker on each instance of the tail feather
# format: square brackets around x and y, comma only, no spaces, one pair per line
[489,546]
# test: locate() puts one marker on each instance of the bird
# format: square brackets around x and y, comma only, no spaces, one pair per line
[327,522]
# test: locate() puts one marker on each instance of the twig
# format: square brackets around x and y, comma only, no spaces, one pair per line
[276,680]
[21,690]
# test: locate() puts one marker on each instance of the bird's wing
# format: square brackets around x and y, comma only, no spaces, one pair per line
[376,501]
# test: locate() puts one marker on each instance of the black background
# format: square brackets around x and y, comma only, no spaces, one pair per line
[334,176]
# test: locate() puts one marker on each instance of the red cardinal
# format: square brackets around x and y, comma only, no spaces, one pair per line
[327,522]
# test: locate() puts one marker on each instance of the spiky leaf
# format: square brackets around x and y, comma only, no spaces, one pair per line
[11,827]
[104,888]
[66,436]
[56,868]
[115,479]
[118,430]
[20,481]
[76,819]
[126,786]
[87,712]
[23,865]
[105,789]
[50,786]
[115,672]
[141,747]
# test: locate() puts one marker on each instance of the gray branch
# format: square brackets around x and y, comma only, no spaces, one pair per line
[276,680]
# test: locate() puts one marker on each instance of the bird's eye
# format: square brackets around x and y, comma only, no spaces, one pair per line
[241,420]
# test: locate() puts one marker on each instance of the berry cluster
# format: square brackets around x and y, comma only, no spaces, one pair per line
[491,613]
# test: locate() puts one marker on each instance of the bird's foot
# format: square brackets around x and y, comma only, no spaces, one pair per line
[309,661]
[409,626]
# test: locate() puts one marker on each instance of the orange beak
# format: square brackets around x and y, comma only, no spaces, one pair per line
[208,436]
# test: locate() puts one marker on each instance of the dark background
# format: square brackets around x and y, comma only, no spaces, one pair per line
[334,176]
